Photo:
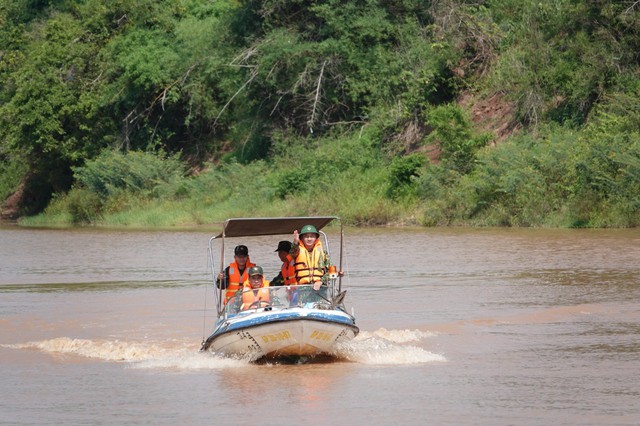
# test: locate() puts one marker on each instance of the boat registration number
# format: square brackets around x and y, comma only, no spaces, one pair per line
[284,335]
[321,335]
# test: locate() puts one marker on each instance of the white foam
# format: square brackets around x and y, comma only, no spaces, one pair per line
[190,360]
[397,336]
[380,347]
[110,350]
[140,355]
[388,347]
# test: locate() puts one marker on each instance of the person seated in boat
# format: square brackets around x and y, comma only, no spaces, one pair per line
[236,273]
[255,290]
[287,274]
[311,261]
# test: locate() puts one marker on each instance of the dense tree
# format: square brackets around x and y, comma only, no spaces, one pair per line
[225,80]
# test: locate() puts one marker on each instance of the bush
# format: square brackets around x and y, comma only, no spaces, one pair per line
[83,205]
[313,165]
[79,206]
[453,132]
[134,171]
[290,181]
[607,171]
[402,175]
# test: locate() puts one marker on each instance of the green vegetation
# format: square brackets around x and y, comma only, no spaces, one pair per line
[450,112]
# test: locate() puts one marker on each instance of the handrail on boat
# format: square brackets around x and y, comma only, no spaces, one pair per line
[286,297]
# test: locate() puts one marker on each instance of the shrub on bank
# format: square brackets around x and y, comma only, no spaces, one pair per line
[135,171]
[561,178]
[79,206]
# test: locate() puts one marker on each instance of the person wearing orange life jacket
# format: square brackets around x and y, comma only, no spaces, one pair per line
[311,262]
[236,273]
[255,290]
[287,274]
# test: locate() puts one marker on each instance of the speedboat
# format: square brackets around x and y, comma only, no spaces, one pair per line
[297,322]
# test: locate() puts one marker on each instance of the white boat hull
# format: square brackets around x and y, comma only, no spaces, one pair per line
[278,334]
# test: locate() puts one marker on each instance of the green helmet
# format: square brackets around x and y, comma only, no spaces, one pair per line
[255,270]
[309,229]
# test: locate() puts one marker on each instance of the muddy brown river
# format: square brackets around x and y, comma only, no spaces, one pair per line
[458,327]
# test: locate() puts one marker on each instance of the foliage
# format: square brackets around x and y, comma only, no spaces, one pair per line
[12,170]
[310,106]
[607,170]
[455,136]
[316,65]
[402,175]
[83,76]
[563,179]
[558,58]
[83,205]
[313,167]
[137,172]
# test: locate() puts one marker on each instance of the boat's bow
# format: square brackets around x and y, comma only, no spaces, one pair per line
[298,322]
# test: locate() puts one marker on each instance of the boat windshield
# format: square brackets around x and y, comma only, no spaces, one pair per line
[281,297]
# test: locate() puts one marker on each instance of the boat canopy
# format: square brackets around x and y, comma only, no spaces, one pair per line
[250,227]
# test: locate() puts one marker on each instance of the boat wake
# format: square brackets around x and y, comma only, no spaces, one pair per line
[381,347]
[388,347]
[172,355]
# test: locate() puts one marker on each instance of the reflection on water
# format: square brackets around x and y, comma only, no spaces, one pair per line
[458,326]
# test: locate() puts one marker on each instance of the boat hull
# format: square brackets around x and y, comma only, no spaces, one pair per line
[282,334]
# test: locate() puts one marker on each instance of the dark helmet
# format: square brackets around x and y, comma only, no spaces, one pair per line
[241,250]
[309,229]
[255,270]
[284,246]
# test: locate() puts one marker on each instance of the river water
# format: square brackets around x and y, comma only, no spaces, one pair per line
[458,327]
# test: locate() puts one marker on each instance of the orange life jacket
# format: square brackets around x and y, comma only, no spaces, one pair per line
[309,265]
[249,295]
[236,279]
[288,271]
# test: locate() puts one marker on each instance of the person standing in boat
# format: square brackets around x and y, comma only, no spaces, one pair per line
[236,273]
[311,262]
[287,274]
[255,290]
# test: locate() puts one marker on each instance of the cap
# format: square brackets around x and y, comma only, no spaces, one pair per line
[255,270]
[309,229]
[284,246]
[241,250]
